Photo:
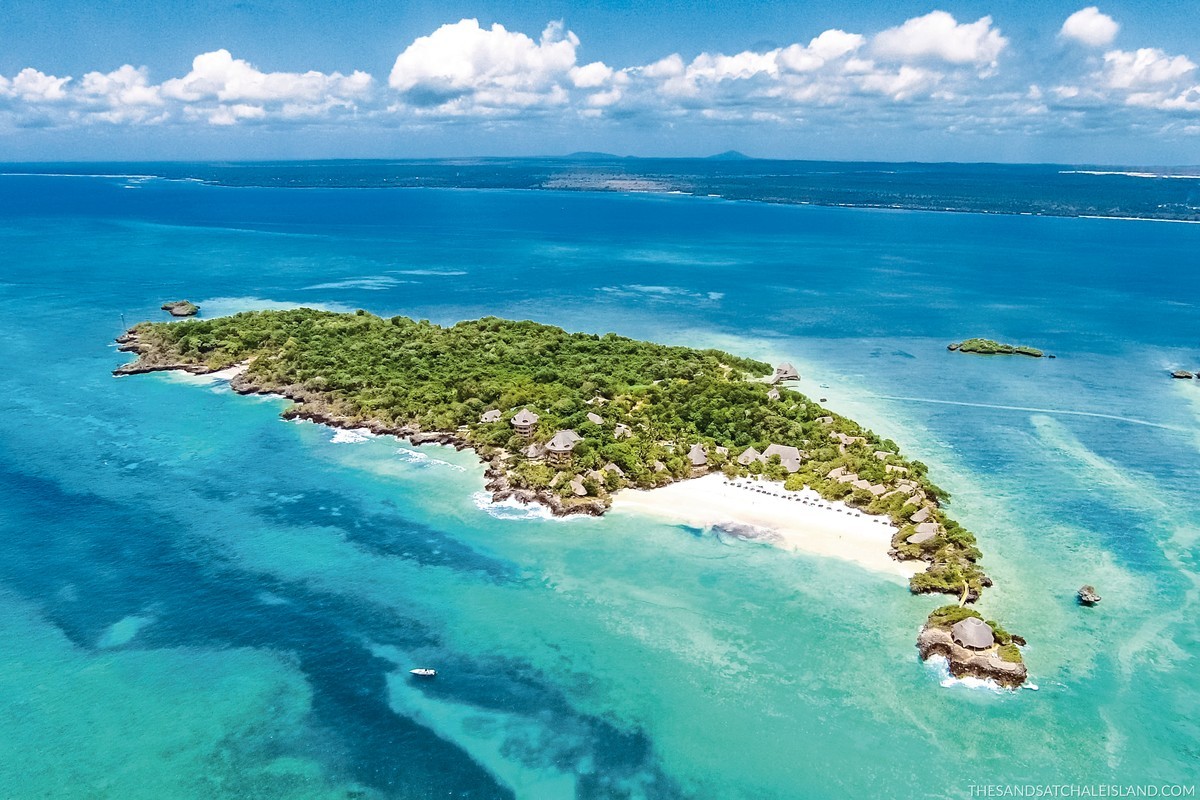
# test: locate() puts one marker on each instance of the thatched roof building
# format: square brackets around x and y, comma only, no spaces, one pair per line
[749,456]
[786,372]
[973,633]
[790,457]
[524,421]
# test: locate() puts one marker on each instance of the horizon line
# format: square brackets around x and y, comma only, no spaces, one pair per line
[735,157]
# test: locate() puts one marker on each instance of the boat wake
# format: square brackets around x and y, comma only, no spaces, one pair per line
[1030,410]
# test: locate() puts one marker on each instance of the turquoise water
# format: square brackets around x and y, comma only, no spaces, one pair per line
[198,599]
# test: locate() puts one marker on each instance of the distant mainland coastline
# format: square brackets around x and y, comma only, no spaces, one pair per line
[570,420]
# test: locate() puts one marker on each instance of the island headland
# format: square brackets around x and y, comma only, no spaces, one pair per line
[569,420]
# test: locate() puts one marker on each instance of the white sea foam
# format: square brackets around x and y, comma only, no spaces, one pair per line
[431,272]
[416,457]
[1128,174]
[369,282]
[516,510]
[940,666]
[350,436]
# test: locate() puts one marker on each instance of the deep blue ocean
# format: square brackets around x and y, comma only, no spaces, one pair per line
[198,599]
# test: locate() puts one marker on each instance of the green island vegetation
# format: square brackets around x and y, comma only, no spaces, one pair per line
[946,616]
[990,347]
[646,413]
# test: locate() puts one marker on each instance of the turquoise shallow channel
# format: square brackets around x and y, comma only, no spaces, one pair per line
[198,599]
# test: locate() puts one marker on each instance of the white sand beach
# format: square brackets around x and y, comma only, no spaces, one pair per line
[207,378]
[799,521]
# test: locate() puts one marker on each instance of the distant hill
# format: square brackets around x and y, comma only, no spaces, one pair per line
[730,155]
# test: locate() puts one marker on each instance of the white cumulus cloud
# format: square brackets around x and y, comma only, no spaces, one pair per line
[938,35]
[1091,27]
[1147,66]
[221,77]
[33,86]
[463,66]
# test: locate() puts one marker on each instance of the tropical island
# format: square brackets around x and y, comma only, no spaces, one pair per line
[990,347]
[571,419]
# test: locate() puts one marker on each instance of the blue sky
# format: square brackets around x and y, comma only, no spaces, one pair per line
[972,81]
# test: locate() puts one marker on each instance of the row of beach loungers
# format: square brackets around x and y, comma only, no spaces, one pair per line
[797,497]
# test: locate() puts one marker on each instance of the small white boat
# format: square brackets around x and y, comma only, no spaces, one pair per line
[423,672]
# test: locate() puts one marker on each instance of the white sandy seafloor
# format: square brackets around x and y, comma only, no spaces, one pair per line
[764,510]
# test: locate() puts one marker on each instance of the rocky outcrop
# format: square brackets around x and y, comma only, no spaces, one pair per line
[964,663]
[1182,374]
[181,308]
[1087,595]
[149,361]
[501,489]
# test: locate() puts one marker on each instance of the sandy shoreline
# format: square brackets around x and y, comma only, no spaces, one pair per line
[819,527]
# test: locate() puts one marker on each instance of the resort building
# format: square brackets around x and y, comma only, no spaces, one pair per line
[928,527]
[559,448]
[749,456]
[922,515]
[845,439]
[698,458]
[611,467]
[622,431]
[789,456]
[595,418]
[825,420]
[524,422]
[577,487]
[918,538]
[973,633]
[773,394]
[534,451]
[786,372]
[491,415]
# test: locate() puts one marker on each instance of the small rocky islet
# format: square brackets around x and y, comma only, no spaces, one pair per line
[180,308]
[990,347]
[569,419]
[973,646]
